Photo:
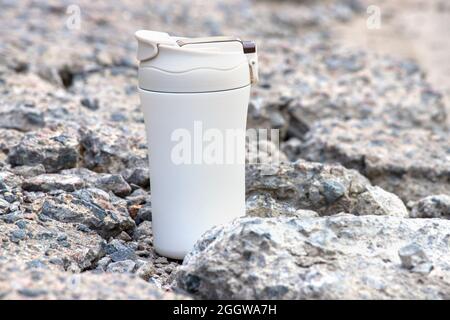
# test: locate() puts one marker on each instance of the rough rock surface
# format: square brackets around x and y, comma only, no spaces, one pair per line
[55,149]
[137,176]
[410,163]
[109,149]
[49,244]
[105,181]
[415,259]
[52,181]
[326,189]
[9,180]
[64,232]
[19,282]
[437,206]
[91,207]
[75,192]
[22,118]
[338,257]
[29,171]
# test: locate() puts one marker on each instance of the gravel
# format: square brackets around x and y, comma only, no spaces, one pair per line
[360,133]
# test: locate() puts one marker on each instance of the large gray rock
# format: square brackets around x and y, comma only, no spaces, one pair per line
[113,182]
[118,251]
[110,149]
[264,206]
[22,118]
[105,181]
[49,244]
[29,171]
[327,189]
[55,149]
[437,206]
[337,257]
[91,207]
[377,201]
[411,163]
[137,176]
[53,181]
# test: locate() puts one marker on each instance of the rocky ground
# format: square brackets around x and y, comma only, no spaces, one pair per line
[359,208]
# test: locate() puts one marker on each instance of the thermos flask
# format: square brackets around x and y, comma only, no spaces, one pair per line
[194,95]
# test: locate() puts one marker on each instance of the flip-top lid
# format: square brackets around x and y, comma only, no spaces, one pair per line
[176,64]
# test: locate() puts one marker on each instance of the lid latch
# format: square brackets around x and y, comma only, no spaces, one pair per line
[249,48]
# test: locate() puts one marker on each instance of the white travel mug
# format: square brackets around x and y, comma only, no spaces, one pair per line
[194,95]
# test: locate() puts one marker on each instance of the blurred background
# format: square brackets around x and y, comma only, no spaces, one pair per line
[76,29]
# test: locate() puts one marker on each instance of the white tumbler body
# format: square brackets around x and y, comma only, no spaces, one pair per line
[190,198]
